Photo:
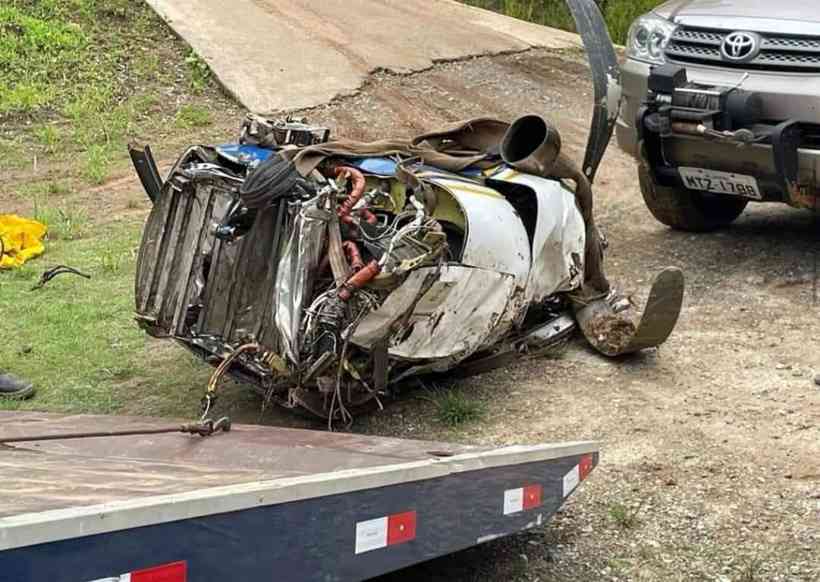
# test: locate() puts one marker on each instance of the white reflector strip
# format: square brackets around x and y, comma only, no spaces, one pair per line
[523,499]
[371,535]
[513,501]
[571,480]
[175,572]
[392,530]
[578,473]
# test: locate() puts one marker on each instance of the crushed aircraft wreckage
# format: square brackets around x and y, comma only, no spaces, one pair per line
[323,273]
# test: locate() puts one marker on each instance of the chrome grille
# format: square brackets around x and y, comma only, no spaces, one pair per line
[778,53]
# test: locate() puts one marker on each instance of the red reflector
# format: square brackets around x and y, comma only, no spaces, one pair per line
[176,572]
[401,528]
[585,466]
[532,497]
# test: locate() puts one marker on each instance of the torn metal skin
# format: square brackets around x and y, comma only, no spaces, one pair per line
[324,290]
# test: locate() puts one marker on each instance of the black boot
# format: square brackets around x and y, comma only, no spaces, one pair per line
[12,388]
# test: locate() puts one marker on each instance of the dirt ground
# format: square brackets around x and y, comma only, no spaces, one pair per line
[710,465]
[711,445]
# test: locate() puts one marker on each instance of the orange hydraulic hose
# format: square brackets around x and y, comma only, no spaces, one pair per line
[354,255]
[359,280]
[358,190]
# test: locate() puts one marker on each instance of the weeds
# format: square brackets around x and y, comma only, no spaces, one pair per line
[57,188]
[200,72]
[455,409]
[751,572]
[62,223]
[147,65]
[193,116]
[624,517]
[111,261]
[96,163]
[48,136]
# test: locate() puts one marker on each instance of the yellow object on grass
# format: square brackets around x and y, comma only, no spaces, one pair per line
[21,239]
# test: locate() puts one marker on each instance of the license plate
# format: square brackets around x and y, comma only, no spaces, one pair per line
[720,182]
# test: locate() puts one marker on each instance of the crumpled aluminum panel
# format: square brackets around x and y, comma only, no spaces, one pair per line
[496,237]
[297,269]
[454,318]
[169,268]
[559,240]
[192,286]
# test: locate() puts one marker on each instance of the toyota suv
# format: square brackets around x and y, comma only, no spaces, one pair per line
[722,107]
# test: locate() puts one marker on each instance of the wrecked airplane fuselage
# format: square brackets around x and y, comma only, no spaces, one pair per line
[339,306]
[323,273]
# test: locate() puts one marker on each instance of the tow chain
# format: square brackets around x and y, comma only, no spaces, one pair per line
[204,428]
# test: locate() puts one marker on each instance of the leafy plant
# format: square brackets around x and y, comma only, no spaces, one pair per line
[200,71]
[96,164]
[454,408]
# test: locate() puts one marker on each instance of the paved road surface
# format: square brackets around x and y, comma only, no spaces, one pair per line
[277,55]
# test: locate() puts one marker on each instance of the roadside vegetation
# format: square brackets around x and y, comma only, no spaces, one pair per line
[79,80]
[619,14]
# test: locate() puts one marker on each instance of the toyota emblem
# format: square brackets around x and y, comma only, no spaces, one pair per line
[741,46]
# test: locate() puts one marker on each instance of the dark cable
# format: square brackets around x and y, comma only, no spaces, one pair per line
[274,178]
[56,271]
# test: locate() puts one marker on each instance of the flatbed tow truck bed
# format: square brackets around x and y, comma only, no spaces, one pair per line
[258,503]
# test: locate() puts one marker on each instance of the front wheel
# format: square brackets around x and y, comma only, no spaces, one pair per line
[688,210]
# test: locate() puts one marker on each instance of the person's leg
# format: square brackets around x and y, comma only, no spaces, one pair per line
[13,388]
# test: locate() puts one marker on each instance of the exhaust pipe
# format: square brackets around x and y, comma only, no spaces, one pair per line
[531,145]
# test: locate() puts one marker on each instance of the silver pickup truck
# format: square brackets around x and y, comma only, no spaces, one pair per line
[722,107]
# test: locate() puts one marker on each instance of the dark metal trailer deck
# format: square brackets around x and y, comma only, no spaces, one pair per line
[258,503]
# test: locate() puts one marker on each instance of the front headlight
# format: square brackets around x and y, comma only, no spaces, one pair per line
[648,38]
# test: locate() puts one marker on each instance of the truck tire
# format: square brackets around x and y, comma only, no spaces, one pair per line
[688,210]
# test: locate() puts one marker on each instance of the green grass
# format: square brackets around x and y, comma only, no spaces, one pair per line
[193,116]
[48,136]
[63,222]
[79,79]
[454,408]
[112,260]
[72,330]
[76,339]
[619,14]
